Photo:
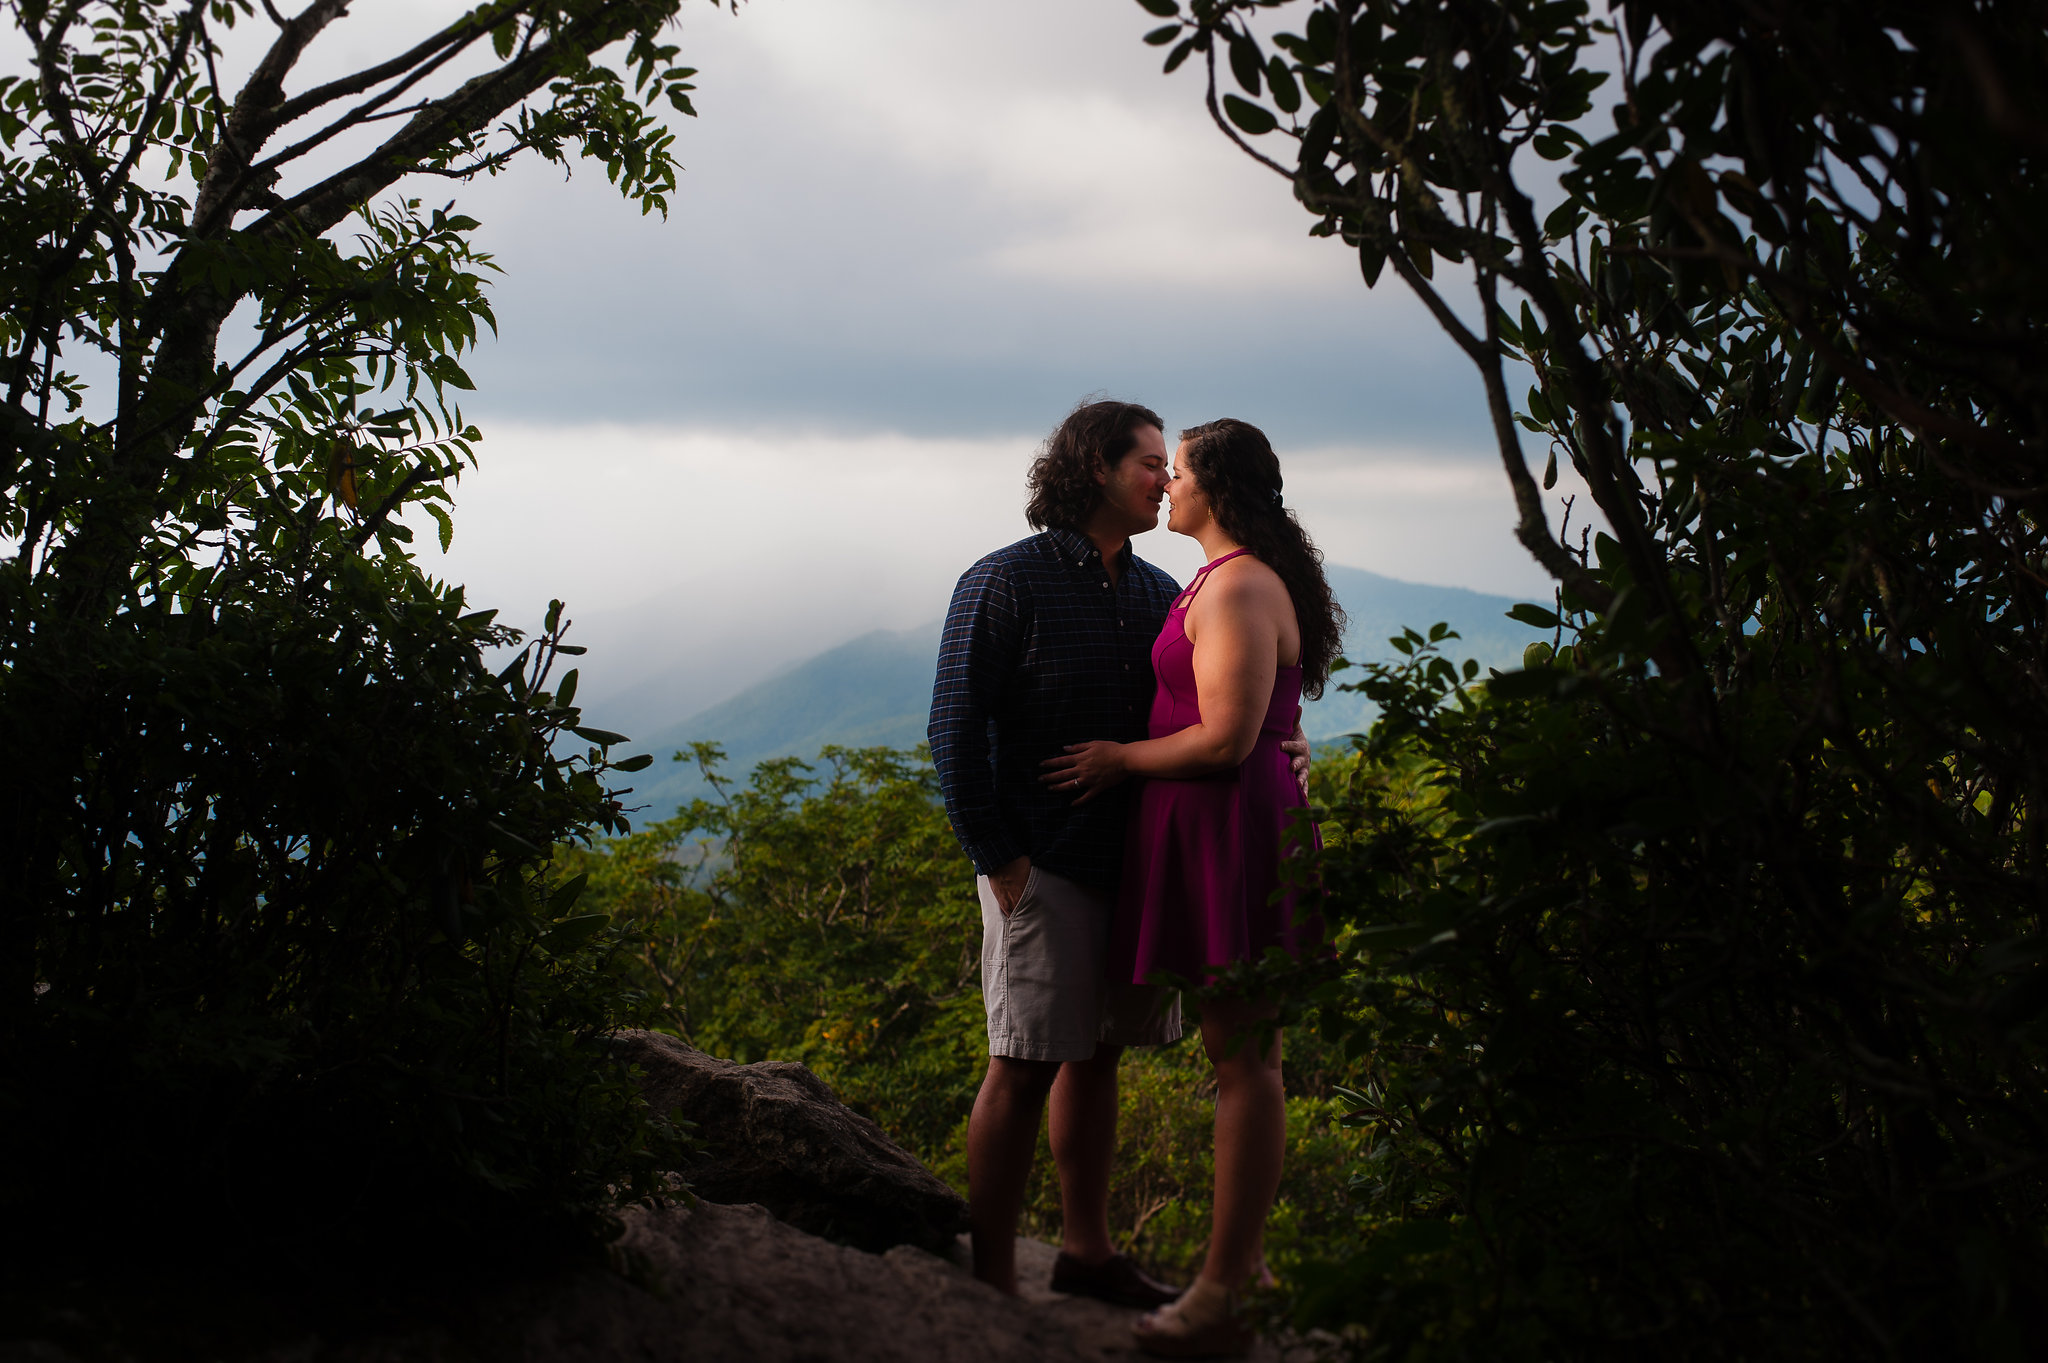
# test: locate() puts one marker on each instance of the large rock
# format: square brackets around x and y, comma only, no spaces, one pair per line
[713,1284]
[773,1134]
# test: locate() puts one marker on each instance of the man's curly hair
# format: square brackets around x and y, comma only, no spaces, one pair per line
[1096,434]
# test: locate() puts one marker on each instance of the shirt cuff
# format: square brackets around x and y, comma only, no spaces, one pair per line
[993,854]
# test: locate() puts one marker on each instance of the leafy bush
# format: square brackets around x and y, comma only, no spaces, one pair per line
[826,919]
[1702,989]
[285,972]
[1165,1164]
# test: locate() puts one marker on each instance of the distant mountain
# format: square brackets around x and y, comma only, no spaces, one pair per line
[876,690]
[873,691]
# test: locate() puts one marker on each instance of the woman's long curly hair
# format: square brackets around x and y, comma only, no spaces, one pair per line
[1064,493]
[1236,468]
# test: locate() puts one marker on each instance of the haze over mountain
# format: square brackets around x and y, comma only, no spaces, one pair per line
[876,690]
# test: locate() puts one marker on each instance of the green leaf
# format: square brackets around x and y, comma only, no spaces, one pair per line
[572,933]
[1395,936]
[445,522]
[1246,64]
[1531,614]
[1286,93]
[1249,116]
[1564,220]
[1160,37]
[1165,9]
[1372,258]
[604,738]
[637,762]
[565,896]
[1523,684]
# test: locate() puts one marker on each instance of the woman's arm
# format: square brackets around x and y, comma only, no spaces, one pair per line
[1235,627]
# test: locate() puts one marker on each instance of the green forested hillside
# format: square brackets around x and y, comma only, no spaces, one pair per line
[875,691]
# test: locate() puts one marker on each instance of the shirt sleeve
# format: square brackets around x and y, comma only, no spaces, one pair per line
[979,652]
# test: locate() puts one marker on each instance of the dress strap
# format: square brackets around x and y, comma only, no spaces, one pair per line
[1187,598]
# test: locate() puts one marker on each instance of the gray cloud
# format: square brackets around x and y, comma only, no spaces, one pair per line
[957,225]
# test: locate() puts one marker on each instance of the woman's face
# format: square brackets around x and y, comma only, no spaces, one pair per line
[1188,506]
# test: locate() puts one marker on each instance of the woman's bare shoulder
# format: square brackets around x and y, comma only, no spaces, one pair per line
[1246,581]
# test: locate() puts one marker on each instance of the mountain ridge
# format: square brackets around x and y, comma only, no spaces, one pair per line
[875,690]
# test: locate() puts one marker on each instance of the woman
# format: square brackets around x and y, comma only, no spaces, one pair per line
[1255,631]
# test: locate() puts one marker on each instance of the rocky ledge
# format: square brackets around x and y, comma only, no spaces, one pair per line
[812,1238]
[715,1283]
[772,1133]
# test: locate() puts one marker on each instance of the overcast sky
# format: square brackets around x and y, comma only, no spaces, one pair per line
[909,235]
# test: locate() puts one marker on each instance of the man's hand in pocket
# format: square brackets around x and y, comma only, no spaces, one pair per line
[1008,884]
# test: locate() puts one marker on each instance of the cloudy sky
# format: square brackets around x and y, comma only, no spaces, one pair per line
[909,236]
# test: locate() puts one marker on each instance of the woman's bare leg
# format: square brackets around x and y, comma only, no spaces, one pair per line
[1251,1138]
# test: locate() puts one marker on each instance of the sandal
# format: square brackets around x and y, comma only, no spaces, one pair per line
[1203,1324]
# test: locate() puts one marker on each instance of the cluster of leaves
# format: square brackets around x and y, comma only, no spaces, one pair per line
[827,915]
[282,941]
[1705,993]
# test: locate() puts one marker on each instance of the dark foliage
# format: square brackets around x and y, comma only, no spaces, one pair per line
[287,978]
[1700,963]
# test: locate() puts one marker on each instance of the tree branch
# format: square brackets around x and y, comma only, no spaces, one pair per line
[375,520]
[189,307]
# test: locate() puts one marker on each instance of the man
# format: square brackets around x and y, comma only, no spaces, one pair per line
[1048,642]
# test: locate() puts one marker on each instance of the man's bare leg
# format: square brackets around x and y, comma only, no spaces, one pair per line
[1084,1149]
[1002,1135]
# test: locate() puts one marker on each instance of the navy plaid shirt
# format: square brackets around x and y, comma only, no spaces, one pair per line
[1041,650]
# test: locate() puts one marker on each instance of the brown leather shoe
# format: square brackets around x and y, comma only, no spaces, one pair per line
[1117,1280]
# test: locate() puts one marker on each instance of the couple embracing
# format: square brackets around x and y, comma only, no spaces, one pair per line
[1120,759]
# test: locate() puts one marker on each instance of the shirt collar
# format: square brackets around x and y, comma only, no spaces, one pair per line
[1076,550]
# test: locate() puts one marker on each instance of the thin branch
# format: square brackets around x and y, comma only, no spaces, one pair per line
[375,521]
[463,30]
[251,121]
[1216,112]
[367,110]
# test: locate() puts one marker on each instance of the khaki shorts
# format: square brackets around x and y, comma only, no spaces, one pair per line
[1044,982]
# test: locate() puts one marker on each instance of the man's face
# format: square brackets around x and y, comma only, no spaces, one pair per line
[1133,486]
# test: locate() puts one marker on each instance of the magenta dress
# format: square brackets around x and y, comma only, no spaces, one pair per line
[1202,857]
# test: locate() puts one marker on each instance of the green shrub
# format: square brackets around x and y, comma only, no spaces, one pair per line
[825,916]
[314,985]
[1703,995]
[1165,1168]
[288,984]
